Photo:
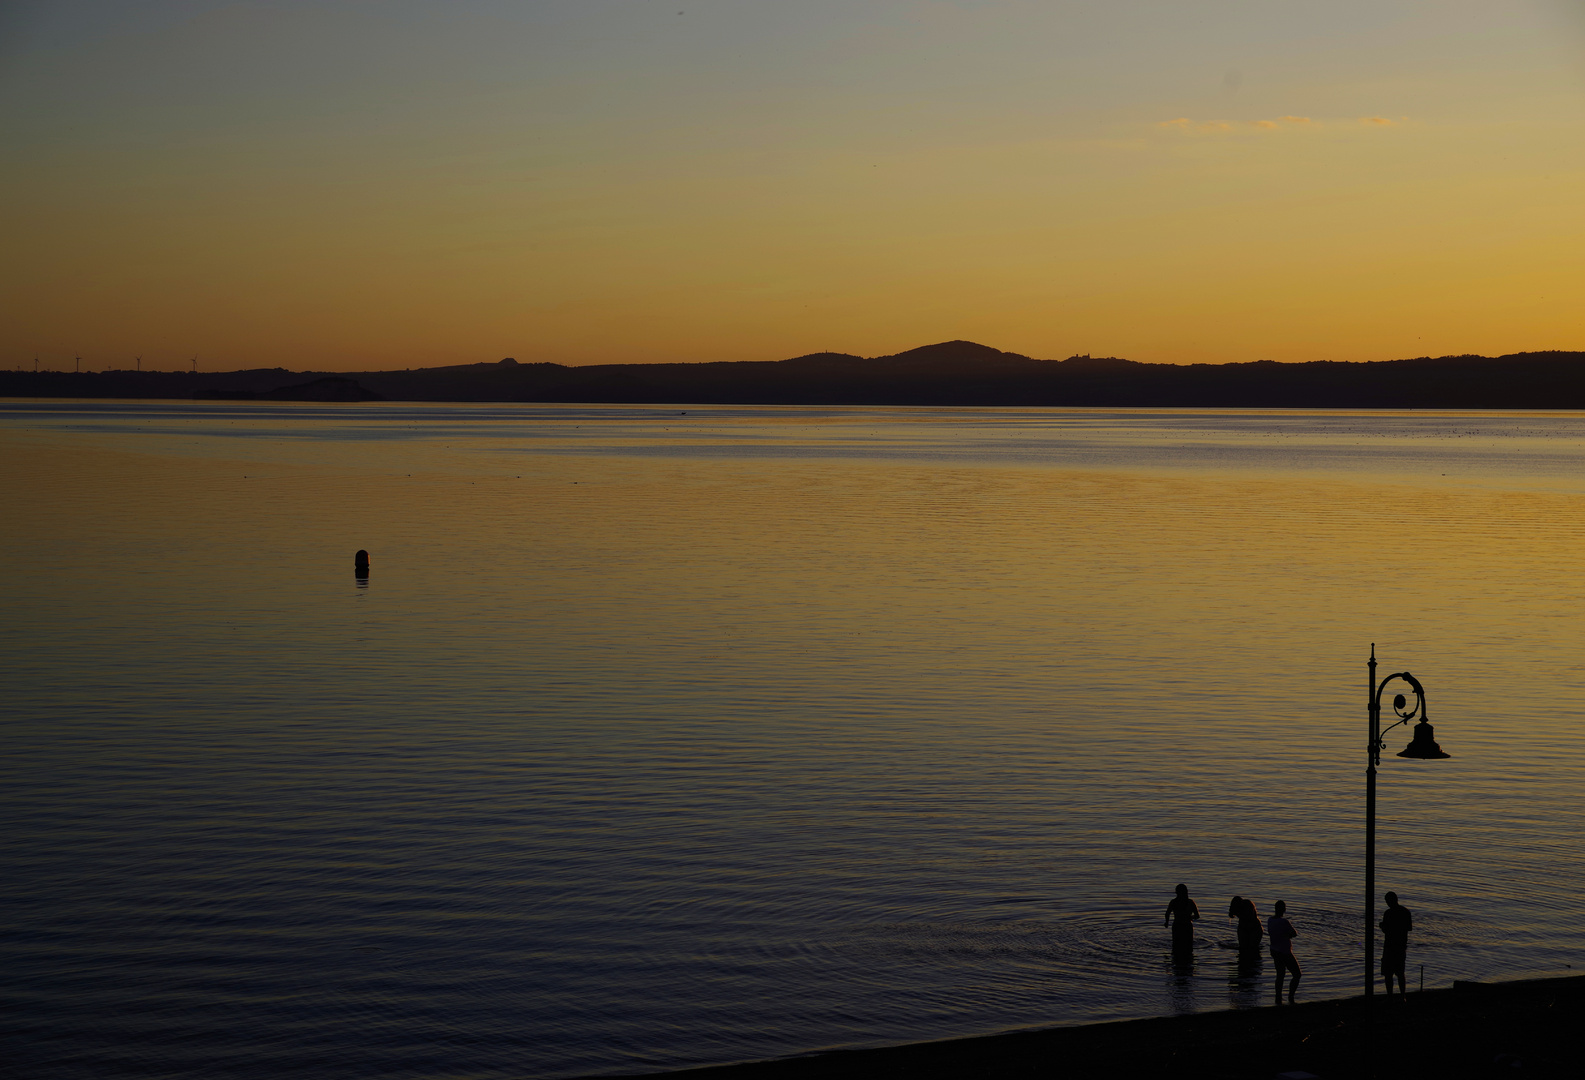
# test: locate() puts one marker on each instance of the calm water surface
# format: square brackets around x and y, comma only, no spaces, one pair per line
[660,737]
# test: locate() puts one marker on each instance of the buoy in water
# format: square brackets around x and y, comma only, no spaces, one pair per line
[360,563]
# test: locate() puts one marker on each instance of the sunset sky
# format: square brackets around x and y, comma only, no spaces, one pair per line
[351,184]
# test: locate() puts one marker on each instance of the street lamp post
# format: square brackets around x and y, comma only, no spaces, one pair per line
[1423,747]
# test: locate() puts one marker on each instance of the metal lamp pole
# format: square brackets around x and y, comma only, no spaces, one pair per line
[1424,747]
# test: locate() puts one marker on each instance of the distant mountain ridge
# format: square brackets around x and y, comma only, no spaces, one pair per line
[946,373]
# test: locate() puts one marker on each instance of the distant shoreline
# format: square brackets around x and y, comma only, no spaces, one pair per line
[1471,1030]
[950,373]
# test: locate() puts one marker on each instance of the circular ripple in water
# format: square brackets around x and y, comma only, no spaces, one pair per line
[1025,970]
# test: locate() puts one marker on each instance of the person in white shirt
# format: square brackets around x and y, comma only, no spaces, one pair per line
[1281,934]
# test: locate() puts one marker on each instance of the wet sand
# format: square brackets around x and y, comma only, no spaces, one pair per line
[1516,1029]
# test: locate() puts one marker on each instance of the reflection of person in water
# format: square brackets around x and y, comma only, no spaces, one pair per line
[1395,927]
[1181,913]
[1282,933]
[1249,931]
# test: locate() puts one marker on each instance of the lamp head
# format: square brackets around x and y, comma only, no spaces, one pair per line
[1423,745]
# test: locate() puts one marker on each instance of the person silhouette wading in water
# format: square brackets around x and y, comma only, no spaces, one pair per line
[1249,931]
[1282,933]
[1181,913]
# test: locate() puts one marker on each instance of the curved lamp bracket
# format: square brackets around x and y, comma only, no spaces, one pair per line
[1400,708]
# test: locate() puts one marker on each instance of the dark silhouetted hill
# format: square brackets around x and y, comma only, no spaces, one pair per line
[329,388]
[949,373]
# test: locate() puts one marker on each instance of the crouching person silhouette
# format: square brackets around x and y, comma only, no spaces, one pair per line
[1249,932]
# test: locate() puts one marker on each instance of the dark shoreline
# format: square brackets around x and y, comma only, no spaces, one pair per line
[946,374]
[1472,1030]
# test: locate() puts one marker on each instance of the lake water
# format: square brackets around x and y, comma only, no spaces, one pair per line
[660,737]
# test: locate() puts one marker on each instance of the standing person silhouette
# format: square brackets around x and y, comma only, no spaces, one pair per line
[1395,927]
[1249,931]
[1181,913]
[1282,933]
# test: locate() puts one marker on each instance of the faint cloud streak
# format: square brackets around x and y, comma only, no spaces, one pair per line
[1183,123]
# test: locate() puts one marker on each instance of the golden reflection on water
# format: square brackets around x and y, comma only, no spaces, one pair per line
[923,709]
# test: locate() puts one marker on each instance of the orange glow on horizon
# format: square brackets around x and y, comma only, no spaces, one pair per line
[755,186]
